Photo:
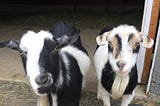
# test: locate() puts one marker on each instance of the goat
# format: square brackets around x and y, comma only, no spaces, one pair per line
[55,63]
[115,62]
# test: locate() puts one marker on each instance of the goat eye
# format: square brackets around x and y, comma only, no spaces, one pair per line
[135,44]
[138,43]
[23,53]
[110,44]
[110,47]
[55,49]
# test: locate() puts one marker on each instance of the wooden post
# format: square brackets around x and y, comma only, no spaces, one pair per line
[152,34]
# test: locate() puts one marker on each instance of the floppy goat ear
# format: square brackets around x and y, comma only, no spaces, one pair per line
[12,44]
[147,42]
[67,40]
[102,39]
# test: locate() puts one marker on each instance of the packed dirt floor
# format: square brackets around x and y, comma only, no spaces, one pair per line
[16,91]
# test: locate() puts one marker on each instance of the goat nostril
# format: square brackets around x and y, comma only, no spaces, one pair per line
[42,79]
[121,64]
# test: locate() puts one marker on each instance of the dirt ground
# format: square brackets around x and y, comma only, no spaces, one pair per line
[14,91]
[20,94]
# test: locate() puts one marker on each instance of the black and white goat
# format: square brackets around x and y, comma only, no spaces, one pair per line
[55,63]
[115,62]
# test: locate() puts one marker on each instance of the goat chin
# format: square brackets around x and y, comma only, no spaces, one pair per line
[119,86]
[40,94]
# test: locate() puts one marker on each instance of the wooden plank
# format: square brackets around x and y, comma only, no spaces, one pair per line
[152,34]
[144,29]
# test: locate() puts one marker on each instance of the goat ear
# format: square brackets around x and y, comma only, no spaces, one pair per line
[102,39]
[12,44]
[147,42]
[66,40]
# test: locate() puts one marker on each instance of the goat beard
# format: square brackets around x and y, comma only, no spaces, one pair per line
[119,86]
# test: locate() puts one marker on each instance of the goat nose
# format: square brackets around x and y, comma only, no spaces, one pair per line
[121,64]
[43,78]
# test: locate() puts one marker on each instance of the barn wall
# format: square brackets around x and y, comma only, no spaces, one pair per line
[34,5]
[155,83]
[155,79]
[112,2]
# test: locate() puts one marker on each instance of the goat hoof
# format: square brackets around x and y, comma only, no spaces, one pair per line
[98,98]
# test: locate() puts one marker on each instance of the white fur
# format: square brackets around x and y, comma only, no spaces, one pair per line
[103,95]
[65,60]
[125,29]
[126,99]
[54,100]
[81,57]
[32,43]
[60,80]
[128,57]
[100,58]
[82,60]
[119,86]
[31,40]
[67,63]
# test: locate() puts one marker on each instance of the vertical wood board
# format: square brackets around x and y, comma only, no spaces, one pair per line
[152,34]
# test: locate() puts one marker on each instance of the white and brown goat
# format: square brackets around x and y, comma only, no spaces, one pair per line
[115,62]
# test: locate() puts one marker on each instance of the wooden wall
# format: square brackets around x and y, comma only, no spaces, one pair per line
[80,2]
[155,81]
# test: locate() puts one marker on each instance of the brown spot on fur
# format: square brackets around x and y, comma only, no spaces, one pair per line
[116,46]
[134,41]
[100,38]
[148,39]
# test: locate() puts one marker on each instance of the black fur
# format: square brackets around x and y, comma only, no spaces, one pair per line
[110,48]
[130,37]
[12,44]
[119,42]
[119,46]
[69,94]
[105,29]
[136,50]
[51,60]
[62,28]
[132,81]
[108,76]
[24,59]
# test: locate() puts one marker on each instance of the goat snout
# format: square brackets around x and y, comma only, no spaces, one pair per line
[121,64]
[44,79]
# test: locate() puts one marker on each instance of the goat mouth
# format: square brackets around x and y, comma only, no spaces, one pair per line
[121,72]
[43,90]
